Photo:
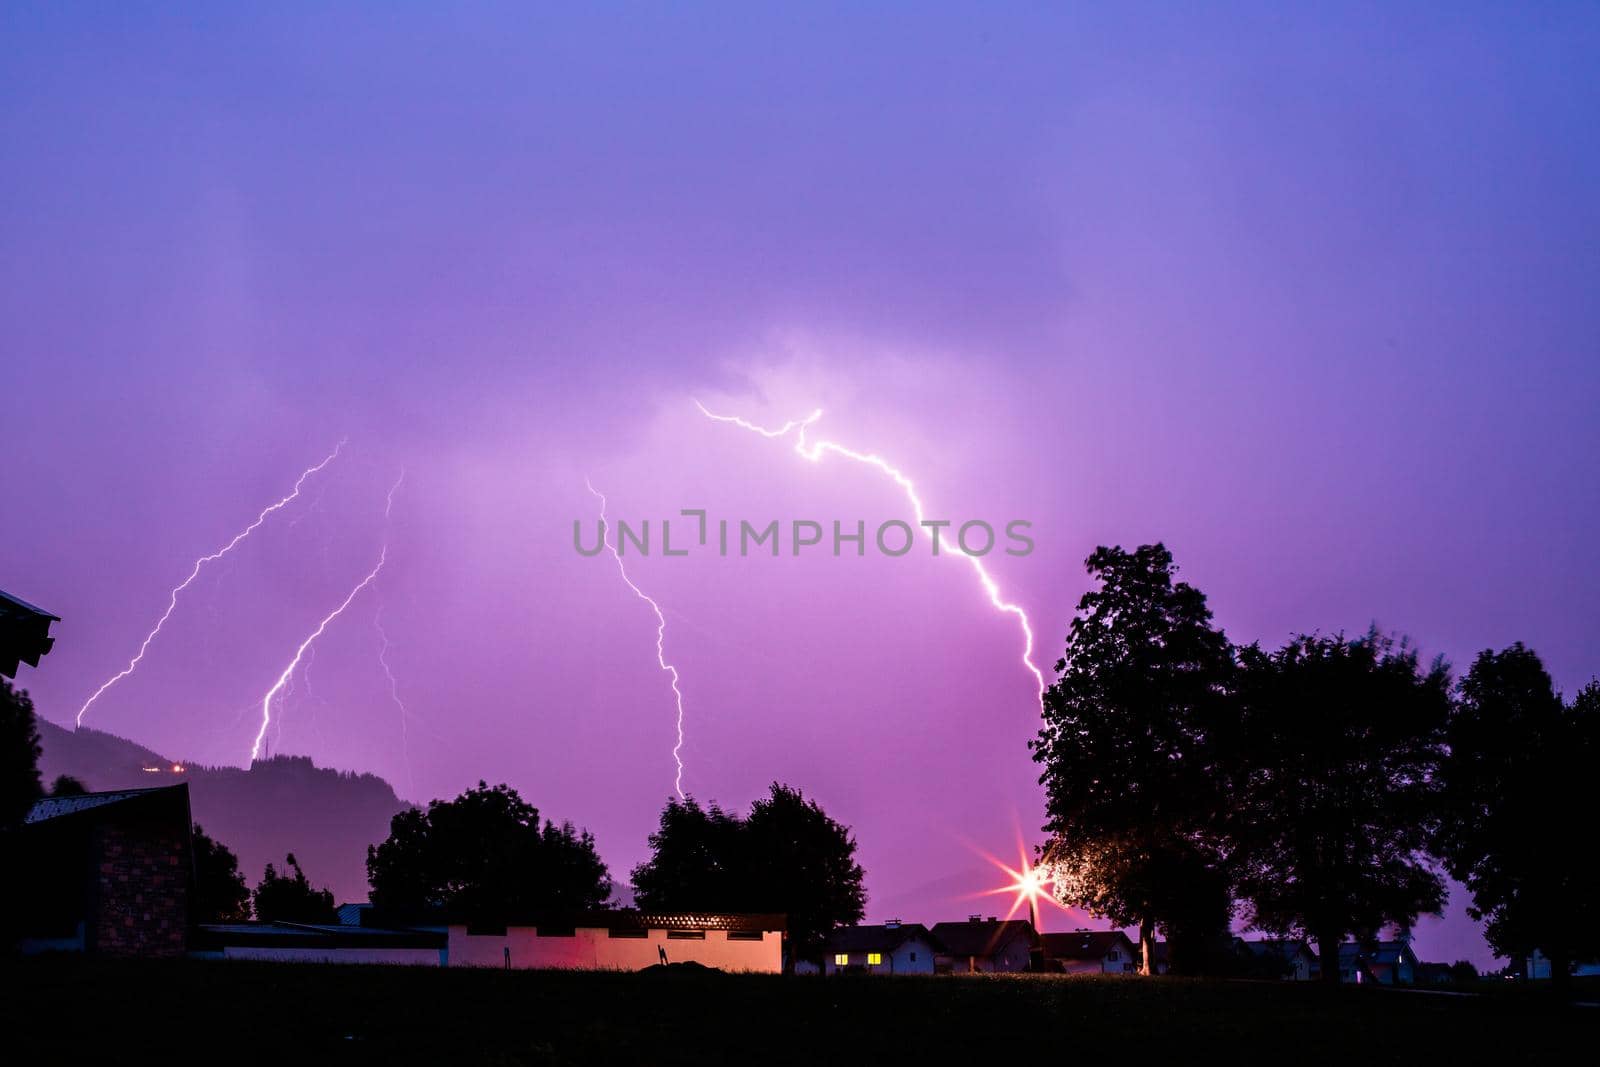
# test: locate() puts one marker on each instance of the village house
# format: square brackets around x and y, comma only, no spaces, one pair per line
[1288,959]
[1089,952]
[623,940]
[983,945]
[892,948]
[1384,962]
[112,873]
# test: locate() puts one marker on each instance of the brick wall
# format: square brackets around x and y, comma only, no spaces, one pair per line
[140,903]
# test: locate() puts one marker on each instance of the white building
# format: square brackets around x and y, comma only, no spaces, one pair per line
[893,948]
[285,942]
[624,941]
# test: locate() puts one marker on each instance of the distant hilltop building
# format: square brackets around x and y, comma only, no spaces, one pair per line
[24,633]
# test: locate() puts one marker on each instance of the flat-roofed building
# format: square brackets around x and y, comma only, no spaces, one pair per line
[623,940]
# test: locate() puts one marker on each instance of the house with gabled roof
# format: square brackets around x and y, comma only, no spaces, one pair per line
[893,947]
[983,945]
[1090,952]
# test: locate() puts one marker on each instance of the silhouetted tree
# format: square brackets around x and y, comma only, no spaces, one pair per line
[221,895]
[788,856]
[1335,788]
[696,856]
[1132,792]
[67,786]
[1519,779]
[484,856]
[290,897]
[20,785]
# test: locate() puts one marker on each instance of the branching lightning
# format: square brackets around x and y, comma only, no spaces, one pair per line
[661,638]
[814,452]
[172,600]
[288,672]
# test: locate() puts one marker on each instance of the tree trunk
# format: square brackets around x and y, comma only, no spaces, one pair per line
[1560,974]
[1328,956]
[1147,946]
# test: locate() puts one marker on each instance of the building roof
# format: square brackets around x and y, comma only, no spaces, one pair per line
[1268,946]
[1084,944]
[51,808]
[24,633]
[983,937]
[632,919]
[884,938]
[1377,952]
[218,936]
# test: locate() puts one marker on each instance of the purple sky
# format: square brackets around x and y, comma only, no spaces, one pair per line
[1309,297]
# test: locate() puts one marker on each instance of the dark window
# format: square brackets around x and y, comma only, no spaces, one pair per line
[557,931]
[913,957]
[744,935]
[686,935]
[486,930]
[637,935]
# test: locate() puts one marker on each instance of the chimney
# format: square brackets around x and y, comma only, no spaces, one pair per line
[974,918]
[892,924]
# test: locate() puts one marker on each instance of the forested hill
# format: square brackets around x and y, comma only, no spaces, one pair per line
[327,818]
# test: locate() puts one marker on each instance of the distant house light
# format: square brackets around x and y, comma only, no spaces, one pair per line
[177,768]
[841,959]
[874,959]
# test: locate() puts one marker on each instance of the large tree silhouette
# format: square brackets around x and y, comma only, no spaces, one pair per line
[1334,788]
[220,893]
[484,857]
[1519,780]
[788,856]
[1131,785]
[20,784]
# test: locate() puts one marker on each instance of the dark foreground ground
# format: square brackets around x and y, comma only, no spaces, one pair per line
[73,1010]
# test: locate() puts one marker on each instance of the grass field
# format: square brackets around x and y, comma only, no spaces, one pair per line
[68,1010]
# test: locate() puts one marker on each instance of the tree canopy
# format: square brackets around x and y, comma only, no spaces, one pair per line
[1333,767]
[787,856]
[220,893]
[1129,766]
[20,784]
[484,856]
[290,897]
[1517,780]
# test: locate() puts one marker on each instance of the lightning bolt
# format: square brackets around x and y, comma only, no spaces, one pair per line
[172,600]
[814,452]
[383,658]
[288,672]
[661,637]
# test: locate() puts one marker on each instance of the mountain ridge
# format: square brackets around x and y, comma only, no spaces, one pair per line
[326,817]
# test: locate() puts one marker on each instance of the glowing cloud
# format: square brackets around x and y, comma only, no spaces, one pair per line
[194,572]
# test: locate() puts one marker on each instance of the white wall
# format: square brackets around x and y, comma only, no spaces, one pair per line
[596,949]
[424,957]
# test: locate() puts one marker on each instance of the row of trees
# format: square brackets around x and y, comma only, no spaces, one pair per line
[1323,787]
[486,857]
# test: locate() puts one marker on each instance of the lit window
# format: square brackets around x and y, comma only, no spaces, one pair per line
[874,959]
[842,959]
